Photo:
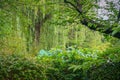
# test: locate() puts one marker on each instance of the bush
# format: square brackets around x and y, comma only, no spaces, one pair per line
[59,64]
[18,67]
[82,64]
[106,71]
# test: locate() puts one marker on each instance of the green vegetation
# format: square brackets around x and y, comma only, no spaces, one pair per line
[59,40]
[17,67]
[57,64]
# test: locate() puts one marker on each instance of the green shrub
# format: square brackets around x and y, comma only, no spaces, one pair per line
[82,64]
[59,64]
[106,71]
[18,67]
[111,54]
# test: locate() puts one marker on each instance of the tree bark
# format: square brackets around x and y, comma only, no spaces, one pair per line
[39,24]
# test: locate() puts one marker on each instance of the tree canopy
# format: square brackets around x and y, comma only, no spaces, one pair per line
[109,26]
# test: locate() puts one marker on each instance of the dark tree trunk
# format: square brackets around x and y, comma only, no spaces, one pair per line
[37,32]
[39,23]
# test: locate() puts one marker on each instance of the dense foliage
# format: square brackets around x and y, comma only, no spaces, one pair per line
[18,67]
[56,64]
[59,40]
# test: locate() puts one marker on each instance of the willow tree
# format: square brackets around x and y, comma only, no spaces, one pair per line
[24,18]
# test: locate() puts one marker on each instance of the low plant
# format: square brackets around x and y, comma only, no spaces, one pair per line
[19,67]
[57,64]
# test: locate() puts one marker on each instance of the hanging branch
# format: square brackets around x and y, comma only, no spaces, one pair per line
[94,25]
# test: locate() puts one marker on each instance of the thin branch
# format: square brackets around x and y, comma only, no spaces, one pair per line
[73,6]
